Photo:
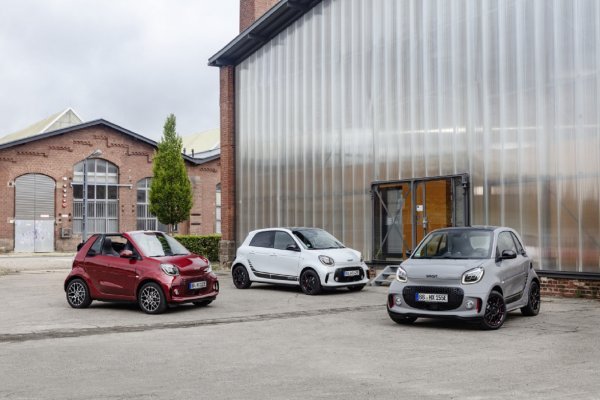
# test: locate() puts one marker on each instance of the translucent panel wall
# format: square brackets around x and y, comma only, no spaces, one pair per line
[365,90]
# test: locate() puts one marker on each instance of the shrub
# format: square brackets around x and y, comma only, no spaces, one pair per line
[207,246]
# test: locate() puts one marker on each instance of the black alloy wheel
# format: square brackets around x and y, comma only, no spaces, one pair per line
[240,277]
[534,301]
[495,311]
[310,283]
[78,294]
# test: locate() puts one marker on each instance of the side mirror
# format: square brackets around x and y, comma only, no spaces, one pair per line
[80,245]
[509,255]
[292,247]
[126,254]
[408,253]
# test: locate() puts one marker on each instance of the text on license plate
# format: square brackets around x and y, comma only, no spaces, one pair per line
[351,273]
[197,285]
[432,297]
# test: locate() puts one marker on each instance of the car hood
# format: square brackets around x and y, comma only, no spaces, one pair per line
[188,265]
[439,269]
[340,256]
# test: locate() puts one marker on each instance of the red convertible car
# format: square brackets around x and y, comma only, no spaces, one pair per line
[150,268]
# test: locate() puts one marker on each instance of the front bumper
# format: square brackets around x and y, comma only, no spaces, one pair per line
[180,292]
[346,276]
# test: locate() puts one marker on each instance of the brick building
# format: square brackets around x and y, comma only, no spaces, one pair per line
[42,182]
[381,120]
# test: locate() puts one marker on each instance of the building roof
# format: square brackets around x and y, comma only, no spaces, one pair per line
[56,121]
[202,141]
[279,17]
[98,122]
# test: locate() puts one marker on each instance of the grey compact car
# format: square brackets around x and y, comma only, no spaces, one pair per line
[472,273]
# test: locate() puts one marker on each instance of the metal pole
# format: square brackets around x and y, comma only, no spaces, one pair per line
[85,200]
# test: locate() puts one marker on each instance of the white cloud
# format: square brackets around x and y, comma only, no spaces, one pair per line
[129,62]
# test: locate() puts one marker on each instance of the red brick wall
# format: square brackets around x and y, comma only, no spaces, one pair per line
[56,156]
[227,103]
[589,289]
[251,10]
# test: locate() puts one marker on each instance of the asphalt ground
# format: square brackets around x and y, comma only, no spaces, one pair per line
[270,342]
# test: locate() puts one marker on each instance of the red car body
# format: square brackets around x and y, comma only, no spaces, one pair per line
[121,276]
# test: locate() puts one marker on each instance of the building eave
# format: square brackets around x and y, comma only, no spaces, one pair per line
[274,21]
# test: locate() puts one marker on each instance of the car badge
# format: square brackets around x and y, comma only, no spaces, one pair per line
[431,276]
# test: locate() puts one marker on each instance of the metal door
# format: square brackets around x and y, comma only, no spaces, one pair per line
[34,213]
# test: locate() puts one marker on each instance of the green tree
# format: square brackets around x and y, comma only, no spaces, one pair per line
[171,190]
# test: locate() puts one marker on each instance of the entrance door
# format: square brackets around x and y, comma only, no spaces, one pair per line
[34,213]
[405,211]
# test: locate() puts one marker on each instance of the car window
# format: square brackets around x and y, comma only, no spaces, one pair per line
[283,240]
[459,243]
[263,239]
[505,242]
[317,239]
[520,249]
[97,246]
[156,244]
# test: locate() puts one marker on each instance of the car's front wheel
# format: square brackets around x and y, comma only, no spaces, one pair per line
[78,294]
[310,282]
[240,277]
[151,299]
[495,311]
[534,300]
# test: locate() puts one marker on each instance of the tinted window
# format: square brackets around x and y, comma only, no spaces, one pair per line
[97,246]
[283,240]
[505,242]
[263,239]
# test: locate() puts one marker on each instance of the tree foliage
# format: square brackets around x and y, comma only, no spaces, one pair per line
[171,190]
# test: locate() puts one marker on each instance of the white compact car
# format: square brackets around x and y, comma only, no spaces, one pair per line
[309,257]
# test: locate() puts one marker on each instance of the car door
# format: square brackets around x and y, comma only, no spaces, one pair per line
[285,261]
[524,262]
[511,270]
[261,254]
[112,275]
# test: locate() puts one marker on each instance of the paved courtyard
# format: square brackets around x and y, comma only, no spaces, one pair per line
[268,342]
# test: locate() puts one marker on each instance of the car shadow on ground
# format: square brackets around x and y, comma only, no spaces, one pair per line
[267,287]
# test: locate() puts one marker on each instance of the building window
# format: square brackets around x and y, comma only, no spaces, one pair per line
[218,210]
[146,221]
[102,195]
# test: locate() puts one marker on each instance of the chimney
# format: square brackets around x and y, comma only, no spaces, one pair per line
[251,10]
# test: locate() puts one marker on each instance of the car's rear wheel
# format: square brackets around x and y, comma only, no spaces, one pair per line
[310,283]
[78,294]
[356,288]
[202,303]
[495,311]
[151,299]
[403,320]
[240,277]
[534,300]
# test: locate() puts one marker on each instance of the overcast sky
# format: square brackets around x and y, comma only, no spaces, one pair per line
[131,62]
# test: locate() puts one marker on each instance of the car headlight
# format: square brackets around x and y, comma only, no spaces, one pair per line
[401,275]
[209,268]
[326,260]
[169,269]
[472,276]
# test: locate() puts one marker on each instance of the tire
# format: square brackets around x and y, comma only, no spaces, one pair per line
[402,320]
[202,303]
[310,282]
[240,277]
[151,299]
[533,301]
[356,288]
[78,294]
[495,311]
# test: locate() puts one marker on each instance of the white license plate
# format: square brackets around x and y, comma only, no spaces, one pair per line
[432,297]
[351,273]
[197,285]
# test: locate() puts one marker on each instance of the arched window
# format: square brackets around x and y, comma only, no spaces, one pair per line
[218,210]
[146,221]
[102,194]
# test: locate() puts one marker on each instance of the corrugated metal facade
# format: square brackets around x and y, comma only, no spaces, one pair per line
[364,90]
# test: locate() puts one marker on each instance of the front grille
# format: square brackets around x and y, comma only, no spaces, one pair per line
[339,275]
[185,291]
[455,297]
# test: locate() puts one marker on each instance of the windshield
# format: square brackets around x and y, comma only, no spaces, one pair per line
[155,244]
[317,239]
[459,244]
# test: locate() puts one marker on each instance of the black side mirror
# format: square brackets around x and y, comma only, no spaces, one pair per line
[292,247]
[509,255]
[80,245]
[408,253]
